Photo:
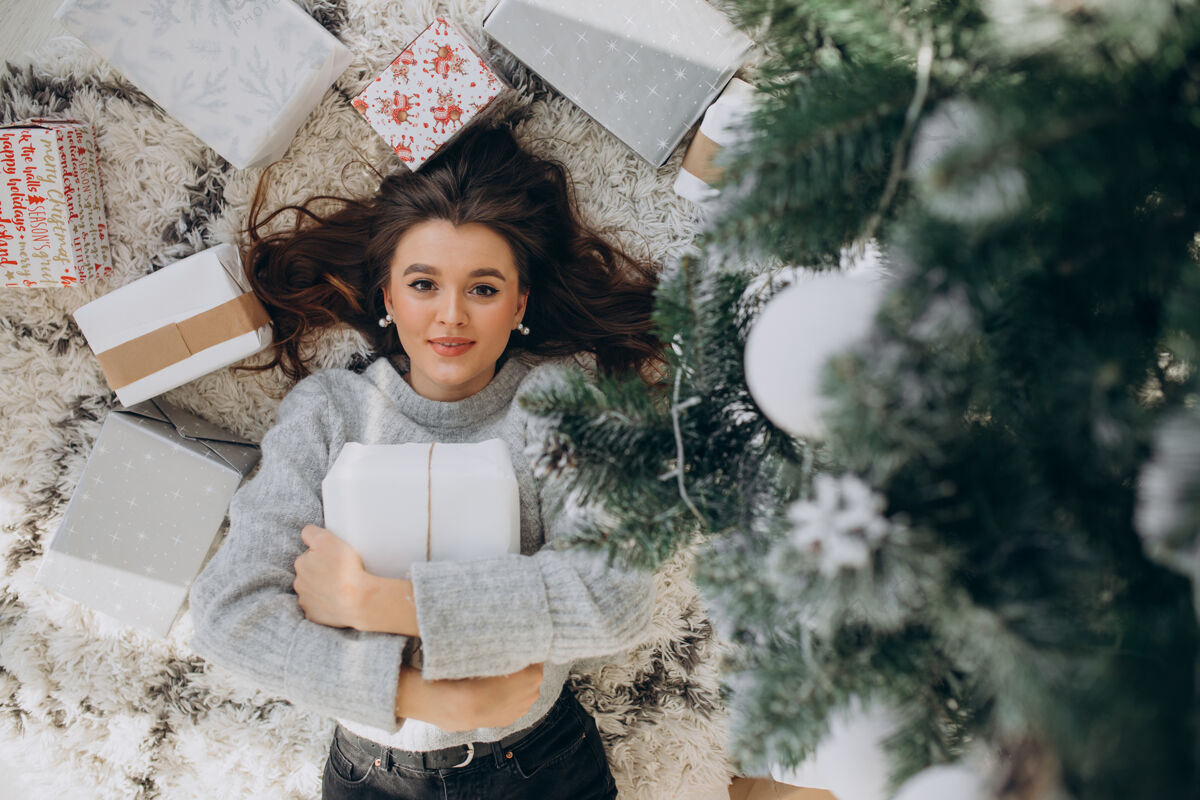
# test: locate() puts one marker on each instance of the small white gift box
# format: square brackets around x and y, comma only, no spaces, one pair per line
[172,326]
[241,76]
[721,127]
[403,503]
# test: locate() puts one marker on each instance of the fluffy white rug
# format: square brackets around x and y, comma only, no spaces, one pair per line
[91,709]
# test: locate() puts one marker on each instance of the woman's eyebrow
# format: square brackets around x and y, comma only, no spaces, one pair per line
[475,273]
[428,270]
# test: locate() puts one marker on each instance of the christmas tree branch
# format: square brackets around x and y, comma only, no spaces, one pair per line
[676,407]
[900,149]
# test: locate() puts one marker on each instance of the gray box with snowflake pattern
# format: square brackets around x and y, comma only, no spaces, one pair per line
[644,69]
[145,513]
[242,76]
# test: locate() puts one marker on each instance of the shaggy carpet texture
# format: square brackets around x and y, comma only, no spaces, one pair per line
[93,709]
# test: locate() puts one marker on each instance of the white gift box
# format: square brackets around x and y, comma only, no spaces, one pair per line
[721,127]
[174,325]
[241,76]
[403,503]
[145,513]
[644,69]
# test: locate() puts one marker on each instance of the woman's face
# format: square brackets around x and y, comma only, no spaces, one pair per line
[455,297]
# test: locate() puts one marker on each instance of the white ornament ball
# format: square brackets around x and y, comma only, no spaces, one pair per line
[945,782]
[850,762]
[824,313]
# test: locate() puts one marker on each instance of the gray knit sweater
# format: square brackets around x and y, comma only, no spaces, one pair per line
[476,618]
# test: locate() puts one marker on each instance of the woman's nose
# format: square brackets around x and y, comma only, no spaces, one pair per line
[452,311]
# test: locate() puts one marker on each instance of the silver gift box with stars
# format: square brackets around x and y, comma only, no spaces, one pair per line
[145,513]
[644,69]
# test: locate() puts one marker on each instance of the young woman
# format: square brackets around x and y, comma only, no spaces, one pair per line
[474,279]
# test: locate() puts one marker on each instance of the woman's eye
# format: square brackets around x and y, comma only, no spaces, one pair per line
[485,290]
[422,285]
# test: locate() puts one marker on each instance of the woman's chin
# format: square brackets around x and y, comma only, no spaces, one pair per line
[452,381]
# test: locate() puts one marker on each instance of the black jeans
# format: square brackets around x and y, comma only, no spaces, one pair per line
[561,758]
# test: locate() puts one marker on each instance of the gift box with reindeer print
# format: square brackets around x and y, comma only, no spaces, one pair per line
[430,92]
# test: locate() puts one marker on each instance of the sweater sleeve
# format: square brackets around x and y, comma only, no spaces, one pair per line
[560,605]
[247,616]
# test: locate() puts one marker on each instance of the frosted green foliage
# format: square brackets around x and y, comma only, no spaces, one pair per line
[621,437]
[1027,393]
[1088,31]
[828,162]
[958,131]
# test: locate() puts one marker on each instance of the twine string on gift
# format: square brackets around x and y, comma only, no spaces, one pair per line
[429,504]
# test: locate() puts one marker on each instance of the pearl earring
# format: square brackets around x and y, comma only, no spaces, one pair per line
[385,321]
[523,329]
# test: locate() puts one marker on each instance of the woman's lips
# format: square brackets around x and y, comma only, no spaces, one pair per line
[451,346]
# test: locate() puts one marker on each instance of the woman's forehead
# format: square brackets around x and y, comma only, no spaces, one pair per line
[441,247]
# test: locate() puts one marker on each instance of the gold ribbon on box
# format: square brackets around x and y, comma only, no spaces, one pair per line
[160,348]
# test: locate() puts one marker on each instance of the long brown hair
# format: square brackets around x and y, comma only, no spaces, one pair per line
[329,268]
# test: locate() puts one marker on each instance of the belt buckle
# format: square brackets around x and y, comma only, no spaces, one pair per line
[470,755]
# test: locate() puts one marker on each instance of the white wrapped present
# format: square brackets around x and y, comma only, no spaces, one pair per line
[241,76]
[174,325]
[721,127]
[403,503]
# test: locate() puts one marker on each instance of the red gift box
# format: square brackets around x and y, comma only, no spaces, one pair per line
[429,93]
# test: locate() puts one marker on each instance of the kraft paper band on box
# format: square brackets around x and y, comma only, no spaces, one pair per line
[699,159]
[770,789]
[174,325]
[160,348]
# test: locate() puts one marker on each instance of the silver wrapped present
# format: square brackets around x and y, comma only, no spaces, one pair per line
[145,513]
[644,69]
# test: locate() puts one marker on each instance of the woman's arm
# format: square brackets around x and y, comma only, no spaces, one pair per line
[468,703]
[559,605]
[494,616]
[334,589]
[246,615]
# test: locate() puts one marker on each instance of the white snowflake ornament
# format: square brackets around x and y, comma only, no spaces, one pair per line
[841,525]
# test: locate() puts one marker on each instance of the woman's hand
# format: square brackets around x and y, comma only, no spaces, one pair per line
[335,589]
[462,705]
[331,581]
